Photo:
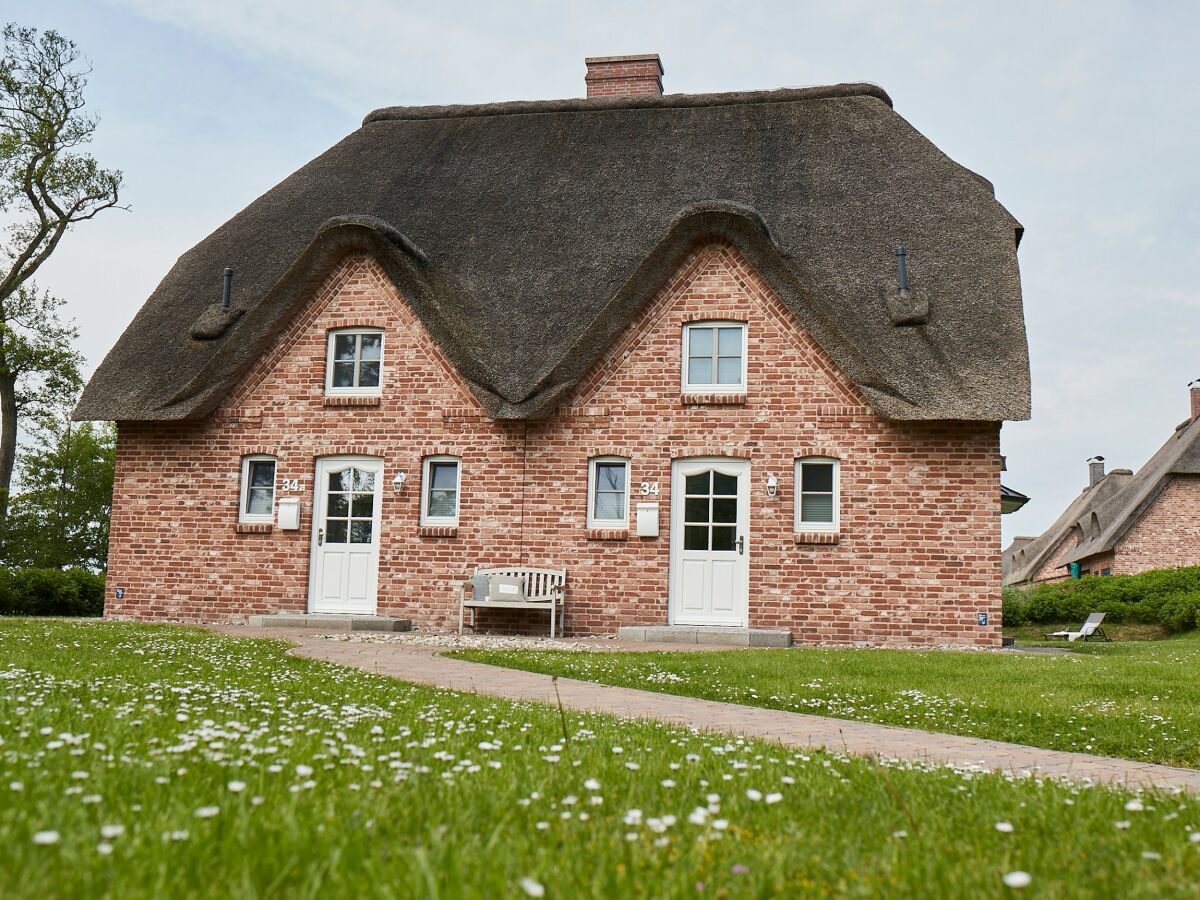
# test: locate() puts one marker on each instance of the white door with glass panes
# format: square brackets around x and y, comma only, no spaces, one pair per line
[710,534]
[345,542]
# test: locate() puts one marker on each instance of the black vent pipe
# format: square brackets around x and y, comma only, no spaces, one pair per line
[227,290]
[902,268]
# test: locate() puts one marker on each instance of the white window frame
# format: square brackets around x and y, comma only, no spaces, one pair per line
[353,391]
[427,486]
[593,465]
[686,386]
[244,493]
[798,481]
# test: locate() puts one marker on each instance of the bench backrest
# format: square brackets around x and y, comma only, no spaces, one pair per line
[538,582]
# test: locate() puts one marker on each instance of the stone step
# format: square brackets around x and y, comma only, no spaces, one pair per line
[325,622]
[705,634]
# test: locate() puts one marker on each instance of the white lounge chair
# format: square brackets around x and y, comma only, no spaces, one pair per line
[1089,630]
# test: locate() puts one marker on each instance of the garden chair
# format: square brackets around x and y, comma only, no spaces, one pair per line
[1089,630]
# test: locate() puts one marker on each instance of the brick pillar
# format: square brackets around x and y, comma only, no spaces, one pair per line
[1195,392]
[624,76]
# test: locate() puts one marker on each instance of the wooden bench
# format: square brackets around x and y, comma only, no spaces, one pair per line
[542,590]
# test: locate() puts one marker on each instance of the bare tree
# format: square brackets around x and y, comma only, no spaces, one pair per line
[47,185]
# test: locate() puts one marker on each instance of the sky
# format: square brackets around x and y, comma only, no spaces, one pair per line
[1085,116]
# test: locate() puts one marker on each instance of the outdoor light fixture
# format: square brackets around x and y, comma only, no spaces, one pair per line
[772,485]
[398,481]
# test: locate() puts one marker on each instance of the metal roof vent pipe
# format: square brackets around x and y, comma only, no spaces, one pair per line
[227,289]
[1095,471]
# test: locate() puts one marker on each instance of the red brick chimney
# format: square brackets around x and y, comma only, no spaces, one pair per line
[1194,386]
[639,75]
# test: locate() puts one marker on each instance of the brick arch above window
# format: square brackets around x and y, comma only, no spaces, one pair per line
[356,322]
[717,314]
[259,450]
[344,450]
[710,450]
[609,450]
[829,451]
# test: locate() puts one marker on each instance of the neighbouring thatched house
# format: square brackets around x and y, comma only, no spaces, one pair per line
[1122,522]
[780,324]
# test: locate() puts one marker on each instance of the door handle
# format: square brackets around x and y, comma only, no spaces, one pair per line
[742,545]
[320,536]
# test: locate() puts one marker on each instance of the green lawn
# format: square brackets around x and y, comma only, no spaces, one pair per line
[156,761]
[1139,700]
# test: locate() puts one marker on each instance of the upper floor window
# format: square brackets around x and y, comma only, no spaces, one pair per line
[257,502]
[817,494]
[608,492]
[439,491]
[355,357]
[714,357]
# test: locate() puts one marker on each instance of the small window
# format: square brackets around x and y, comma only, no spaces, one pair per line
[608,492]
[816,494]
[1106,572]
[257,502]
[355,359]
[439,497]
[714,357]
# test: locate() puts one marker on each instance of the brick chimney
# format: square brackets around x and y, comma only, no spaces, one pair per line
[1194,388]
[1095,471]
[639,75]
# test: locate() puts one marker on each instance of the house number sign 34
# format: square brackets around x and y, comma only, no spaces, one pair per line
[292,485]
[649,489]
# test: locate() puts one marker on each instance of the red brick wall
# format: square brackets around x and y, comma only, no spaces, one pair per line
[916,559]
[1166,536]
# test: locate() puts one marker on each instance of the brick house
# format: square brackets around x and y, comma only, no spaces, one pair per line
[730,359]
[1123,522]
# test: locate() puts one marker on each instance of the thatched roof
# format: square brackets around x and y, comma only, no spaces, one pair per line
[1101,516]
[527,235]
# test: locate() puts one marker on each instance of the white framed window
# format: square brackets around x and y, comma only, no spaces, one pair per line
[354,362]
[817,494]
[714,357]
[439,490]
[257,500]
[608,492]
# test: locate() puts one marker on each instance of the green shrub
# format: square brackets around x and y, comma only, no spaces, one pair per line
[1016,601]
[1164,597]
[51,592]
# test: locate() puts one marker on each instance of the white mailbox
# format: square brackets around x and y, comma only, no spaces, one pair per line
[647,520]
[289,513]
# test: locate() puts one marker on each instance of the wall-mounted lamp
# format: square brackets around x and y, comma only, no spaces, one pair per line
[772,485]
[398,481]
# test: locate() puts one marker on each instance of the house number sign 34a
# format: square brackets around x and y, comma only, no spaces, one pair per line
[292,485]
[649,489]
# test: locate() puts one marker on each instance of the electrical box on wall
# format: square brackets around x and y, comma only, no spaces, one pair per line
[647,520]
[289,514]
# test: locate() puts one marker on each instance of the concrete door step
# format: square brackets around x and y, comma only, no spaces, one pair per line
[330,622]
[705,634]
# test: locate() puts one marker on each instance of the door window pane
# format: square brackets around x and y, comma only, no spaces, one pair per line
[698,484]
[723,538]
[363,481]
[724,510]
[362,506]
[335,531]
[695,509]
[360,532]
[339,481]
[337,505]
[695,537]
[724,485]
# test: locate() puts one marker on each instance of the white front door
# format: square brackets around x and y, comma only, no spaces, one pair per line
[345,543]
[710,534]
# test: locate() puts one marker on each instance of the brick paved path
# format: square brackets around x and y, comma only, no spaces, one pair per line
[425,666]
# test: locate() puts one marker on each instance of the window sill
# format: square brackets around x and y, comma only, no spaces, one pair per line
[815,537]
[697,399]
[608,534]
[255,527]
[438,531]
[350,400]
